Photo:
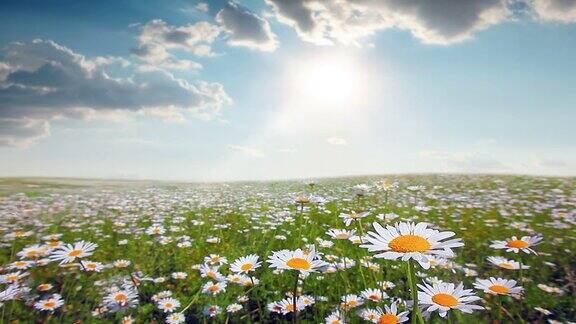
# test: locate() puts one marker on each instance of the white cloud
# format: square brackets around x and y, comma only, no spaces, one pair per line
[202,7]
[336,141]
[46,80]
[348,22]
[245,28]
[250,151]
[157,38]
[556,10]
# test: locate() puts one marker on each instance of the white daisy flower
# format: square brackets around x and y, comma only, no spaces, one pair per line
[341,234]
[91,266]
[514,244]
[390,314]
[350,301]
[168,305]
[245,264]
[49,304]
[498,286]
[374,295]
[353,216]
[233,308]
[335,318]
[303,261]
[175,318]
[444,296]
[69,253]
[214,288]
[410,241]
[505,263]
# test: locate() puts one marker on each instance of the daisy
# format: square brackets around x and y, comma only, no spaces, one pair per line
[303,261]
[126,297]
[11,292]
[207,271]
[69,252]
[524,244]
[161,295]
[13,277]
[341,234]
[498,286]
[168,305]
[155,229]
[410,241]
[179,275]
[233,308]
[390,315]
[121,264]
[44,287]
[353,216]
[350,301]
[32,252]
[369,314]
[374,295]
[335,318]
[21,265]
[49,304]
[245,264]
[443,297]
[92,266]
[213,288]
[175,318]
[212,310]
[215,259]
[506,264]
[287,305]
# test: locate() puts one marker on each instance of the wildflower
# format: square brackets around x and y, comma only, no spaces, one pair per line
[168,305]
[179,275]
[155,229]
[374,295]
[161,295]
[341,234]
[303,261]
[120,264]
[513,244]
[69,252]
[44,287]
[211,272]
[443,297]
[233,308]
[498,286]
[212,310]
[215,259]
[13,277]
[287,305]
[122,298]
[353,216]
[213,288]
[49,304]
[175,318]
[335,318]
[32,252]
[410,241]
[21,265]
[245,264]
[10,293]
[390,315]
[505,263]
[350,301]
[91,266]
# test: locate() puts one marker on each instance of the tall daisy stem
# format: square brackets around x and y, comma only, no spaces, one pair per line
[412,282]
[294,298]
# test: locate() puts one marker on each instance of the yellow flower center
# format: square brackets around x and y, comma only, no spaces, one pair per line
[342,236]
[120,297]
[519,244]
[12,277]
[168,305]
[499,289]
[213,288]
[74,253]
[388,319]
[298,263]
[409,243]
[290,307]
[246,266]
[19,263]
[53,243]
[445,300]
[506,265]
[49,304]
[374,297]
[19,233]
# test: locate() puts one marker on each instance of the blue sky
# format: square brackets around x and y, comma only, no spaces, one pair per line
[184,90]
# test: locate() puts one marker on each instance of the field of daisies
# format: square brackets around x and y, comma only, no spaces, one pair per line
[419,249]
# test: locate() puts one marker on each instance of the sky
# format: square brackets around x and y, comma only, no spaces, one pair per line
[276,89]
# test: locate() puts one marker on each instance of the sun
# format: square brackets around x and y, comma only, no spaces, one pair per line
[328,80]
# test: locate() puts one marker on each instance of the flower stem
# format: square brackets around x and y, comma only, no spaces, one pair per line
[412,282]
[294,297]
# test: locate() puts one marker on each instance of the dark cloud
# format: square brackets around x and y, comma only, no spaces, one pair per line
[43,80]
[245,28]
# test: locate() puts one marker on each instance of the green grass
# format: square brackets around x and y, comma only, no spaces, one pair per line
[245,218]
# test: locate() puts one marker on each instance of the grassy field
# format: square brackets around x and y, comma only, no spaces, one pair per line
[176,238]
